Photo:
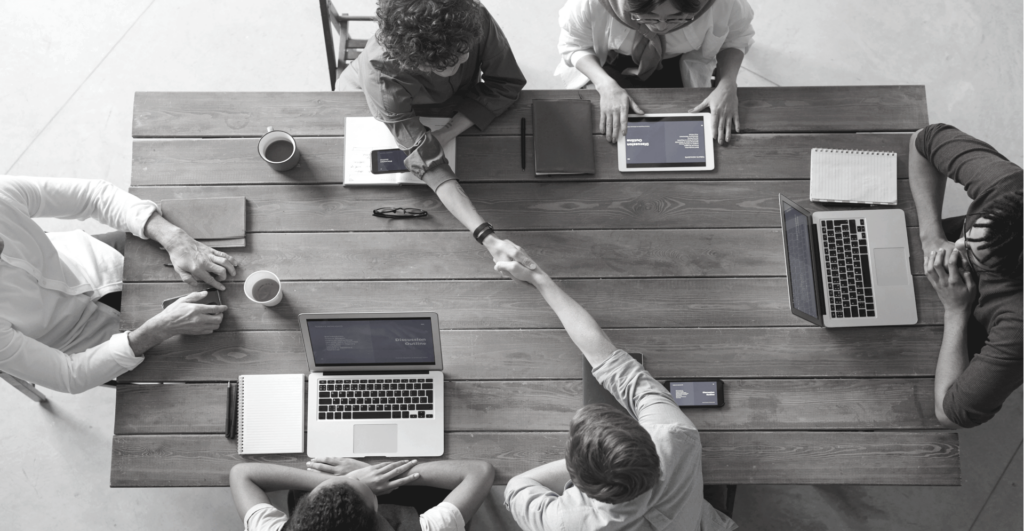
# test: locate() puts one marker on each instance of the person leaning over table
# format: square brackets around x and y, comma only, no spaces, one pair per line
[974,264]
[638,471]
[59,327]
[445,54]
[343,495]
[620,44]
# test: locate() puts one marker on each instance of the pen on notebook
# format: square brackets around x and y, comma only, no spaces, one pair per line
[522,142]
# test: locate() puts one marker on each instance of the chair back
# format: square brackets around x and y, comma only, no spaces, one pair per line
[341,49]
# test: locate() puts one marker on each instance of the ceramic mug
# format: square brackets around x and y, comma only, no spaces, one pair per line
[279,150]
[263,287]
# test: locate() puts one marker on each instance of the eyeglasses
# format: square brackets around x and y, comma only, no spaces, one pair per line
[649,20]
[400,212]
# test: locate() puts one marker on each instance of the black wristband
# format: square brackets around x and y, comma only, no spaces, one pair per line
[480,233]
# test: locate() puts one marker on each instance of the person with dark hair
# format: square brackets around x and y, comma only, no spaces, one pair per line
[974,264]
[343,495]
[620,44]
[436,58]
[637,470]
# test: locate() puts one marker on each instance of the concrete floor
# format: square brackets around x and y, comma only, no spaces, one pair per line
[67,83]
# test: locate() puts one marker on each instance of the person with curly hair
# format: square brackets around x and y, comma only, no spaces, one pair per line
[633,469]
[974,264]
[620,44]
[343,494]
[435,58]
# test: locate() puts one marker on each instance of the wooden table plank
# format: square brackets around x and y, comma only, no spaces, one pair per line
[549,405]
[752,457]
[762,109]
[498,304]
[544,354]
[521,206]
[454,255]
[486,158]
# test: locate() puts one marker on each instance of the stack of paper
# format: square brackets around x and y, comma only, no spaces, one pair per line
[847,176]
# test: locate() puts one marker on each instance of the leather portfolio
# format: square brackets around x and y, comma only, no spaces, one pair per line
[216,221]
[563,141]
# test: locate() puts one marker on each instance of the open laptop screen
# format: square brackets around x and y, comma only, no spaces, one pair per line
[364,342]
[803,282]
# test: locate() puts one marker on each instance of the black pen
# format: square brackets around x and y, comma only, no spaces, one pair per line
[522,142]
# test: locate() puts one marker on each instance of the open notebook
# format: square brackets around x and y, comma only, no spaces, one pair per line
[271,414]
[849,176]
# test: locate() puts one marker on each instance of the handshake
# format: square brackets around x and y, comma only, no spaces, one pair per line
[511,261]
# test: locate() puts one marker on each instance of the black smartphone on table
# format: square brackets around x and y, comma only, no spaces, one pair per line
[697,392]
[212,297]
[387,161]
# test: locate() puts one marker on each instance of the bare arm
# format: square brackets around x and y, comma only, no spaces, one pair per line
[193,261]
[927,186]
[952,361]
[457,202]
[552,476]
[469,481]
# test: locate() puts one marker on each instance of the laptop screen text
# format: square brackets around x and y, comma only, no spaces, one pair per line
[356,342]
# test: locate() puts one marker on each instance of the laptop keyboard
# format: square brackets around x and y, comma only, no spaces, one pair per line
[847,271]
[382,398]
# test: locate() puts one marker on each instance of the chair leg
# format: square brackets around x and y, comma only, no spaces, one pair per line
[730,500]
[28,389]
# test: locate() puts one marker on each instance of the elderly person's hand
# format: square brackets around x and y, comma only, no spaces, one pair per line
[197,262]
[725,111]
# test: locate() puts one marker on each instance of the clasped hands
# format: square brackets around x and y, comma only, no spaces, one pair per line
[952,280]
[382,478]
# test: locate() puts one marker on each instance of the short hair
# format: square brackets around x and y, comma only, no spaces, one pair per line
[646,6]
[430,33]
[610,456]
[1003,239]
[333,508]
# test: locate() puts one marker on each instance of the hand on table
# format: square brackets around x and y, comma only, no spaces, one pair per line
[615,106]
[506,251]
[954,285]
[197,262]
[725,111]
[381,477]
[186,317]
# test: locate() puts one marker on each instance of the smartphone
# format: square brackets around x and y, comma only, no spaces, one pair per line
[387,161]
[706,392]
[212,297]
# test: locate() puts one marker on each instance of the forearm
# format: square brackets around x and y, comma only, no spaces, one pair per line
[166,233]
[589,66]
[147,336]
[551,476]
[469,482]
[729,61]
[458,125]
[952,359]
[578,323]
[454,198]
[927,187]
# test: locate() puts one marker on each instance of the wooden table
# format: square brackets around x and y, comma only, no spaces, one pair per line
[686,268]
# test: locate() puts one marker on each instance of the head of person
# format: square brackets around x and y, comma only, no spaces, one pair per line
[340,503]
[429,36]
[992,240]
[610,456]
[663,16]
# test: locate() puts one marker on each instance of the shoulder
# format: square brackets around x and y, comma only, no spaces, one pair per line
[264,517]
[443,517]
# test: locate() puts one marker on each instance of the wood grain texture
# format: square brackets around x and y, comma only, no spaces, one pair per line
[544,354]
[521,206]
[750,457]
[485,158]
[615,303]
[762,109]
[549,405]
[453,255]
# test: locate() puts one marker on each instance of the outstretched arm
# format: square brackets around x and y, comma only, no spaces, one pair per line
[457,202]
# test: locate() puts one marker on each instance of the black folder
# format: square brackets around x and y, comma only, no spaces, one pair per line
[563,142]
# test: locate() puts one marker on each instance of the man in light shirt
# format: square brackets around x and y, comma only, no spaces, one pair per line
[343,495]
[635,471]
[57,328]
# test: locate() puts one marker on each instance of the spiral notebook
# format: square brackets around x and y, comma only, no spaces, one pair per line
[848,176]
[271,414]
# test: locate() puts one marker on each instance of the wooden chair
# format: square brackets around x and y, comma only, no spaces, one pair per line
[336,29]
[27,388]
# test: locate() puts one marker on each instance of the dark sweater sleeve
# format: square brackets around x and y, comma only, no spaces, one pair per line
[965,159]
[995,372]
[502,81]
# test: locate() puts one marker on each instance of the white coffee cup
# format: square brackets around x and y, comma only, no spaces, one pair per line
[264,287]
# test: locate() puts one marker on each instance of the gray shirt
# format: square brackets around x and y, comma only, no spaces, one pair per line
[675,503]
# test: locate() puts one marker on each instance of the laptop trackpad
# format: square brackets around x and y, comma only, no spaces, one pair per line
[890,266]
[371,439]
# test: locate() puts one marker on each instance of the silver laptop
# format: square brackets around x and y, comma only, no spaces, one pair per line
[848,267]
[375,384]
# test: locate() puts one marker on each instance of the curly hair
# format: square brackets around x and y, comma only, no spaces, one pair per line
[610,456]
[334,508]
[1004,237]
[428,33]
[646,6]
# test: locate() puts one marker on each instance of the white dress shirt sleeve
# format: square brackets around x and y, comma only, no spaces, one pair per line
[533,506]
[741,30]
[576,37]
[31,360]
[65,198]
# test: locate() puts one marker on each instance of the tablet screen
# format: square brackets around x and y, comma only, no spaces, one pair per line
[666,142]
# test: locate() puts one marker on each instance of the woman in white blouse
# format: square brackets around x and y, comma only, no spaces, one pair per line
[618,44]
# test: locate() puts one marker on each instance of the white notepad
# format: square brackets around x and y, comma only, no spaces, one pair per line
[848,176]
[271,414]
[364,134]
